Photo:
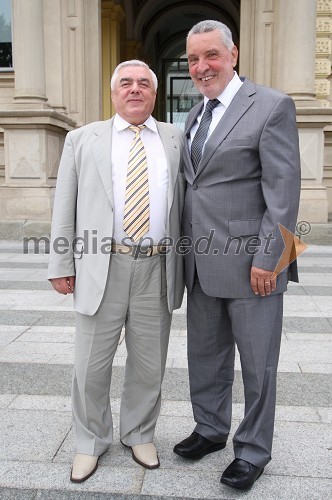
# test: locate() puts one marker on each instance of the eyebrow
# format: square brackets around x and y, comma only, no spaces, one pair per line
[130,80]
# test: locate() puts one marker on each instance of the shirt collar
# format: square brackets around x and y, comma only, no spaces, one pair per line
[229,92]
[121,124]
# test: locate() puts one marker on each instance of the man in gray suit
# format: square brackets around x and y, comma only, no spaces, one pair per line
[118,201]
[242,167]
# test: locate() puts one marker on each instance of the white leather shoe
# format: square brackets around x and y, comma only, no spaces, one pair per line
[146,455]
[83,467]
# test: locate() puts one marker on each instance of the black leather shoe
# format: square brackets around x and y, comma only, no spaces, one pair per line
[196,446]
[241,474]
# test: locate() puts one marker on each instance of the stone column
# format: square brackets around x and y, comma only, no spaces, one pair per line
[33,131]
[312,117]
[323,84]
[29,58]
[297,41]
[296,76]
[93,65]
[314,202]
[112,16]
[257,41]
[277,49]
[54,55]
[327,179]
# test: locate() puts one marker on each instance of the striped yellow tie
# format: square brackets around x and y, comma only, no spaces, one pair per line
[136,220]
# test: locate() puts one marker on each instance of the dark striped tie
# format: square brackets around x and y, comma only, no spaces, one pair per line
[136,221]
[201,133]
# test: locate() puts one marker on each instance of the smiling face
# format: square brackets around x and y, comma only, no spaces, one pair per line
[134,94]
[211,64]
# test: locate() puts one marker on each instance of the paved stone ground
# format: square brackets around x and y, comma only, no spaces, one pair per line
[36,353]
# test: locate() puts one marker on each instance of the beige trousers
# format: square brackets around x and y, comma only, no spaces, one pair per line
[135,297]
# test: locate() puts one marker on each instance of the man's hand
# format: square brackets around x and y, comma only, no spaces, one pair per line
[64,285]
[262,282]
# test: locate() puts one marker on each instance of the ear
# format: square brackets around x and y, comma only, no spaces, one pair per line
[235,54]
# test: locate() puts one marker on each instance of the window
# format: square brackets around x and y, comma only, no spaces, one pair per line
[181,94]
[6,58]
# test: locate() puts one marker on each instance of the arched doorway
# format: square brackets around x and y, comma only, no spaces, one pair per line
[156,32]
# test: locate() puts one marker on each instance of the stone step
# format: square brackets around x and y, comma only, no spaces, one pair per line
[36,445]
[294,389]
[32,494]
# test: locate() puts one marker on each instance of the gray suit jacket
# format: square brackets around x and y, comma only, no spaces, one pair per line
[83,213]
[248,182]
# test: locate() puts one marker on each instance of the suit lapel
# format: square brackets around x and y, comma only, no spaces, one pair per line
[171,148]
[196,110]
[101,149]
[186,157]
[238,107]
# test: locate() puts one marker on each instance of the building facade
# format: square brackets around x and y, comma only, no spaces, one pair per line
[57,56]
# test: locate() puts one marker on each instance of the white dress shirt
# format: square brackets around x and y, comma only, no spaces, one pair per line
[218,112]
[157,172]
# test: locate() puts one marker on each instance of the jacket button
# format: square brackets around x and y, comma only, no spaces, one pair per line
[195,187]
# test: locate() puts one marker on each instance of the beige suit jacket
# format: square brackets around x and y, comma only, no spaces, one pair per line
[82,223]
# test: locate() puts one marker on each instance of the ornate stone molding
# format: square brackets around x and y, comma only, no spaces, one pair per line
[7,79]
[323,51]
[324,6]
[112,32]
[41,117]
[322,68]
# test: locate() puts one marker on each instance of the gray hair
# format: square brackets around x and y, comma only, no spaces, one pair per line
[209,25]
[133,62]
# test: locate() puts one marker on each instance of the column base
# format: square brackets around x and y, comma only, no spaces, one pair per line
[313,204]
[33,142]
[14,230]
[26,204]
[25,212]
[319,234]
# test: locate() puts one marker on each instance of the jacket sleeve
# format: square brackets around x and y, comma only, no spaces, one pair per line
[61,261]
[280,181]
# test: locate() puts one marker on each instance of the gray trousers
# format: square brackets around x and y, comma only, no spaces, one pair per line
[214,326]
[135,296]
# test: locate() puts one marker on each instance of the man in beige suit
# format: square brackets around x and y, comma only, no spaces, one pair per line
[116,220]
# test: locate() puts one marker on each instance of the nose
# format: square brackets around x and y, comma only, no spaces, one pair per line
[134,88]
[202,65]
